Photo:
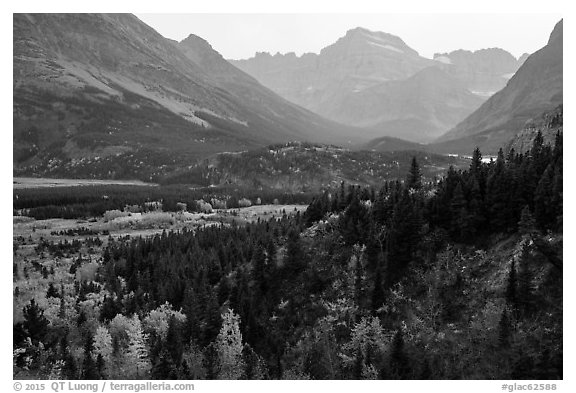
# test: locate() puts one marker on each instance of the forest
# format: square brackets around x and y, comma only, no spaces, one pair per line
[91,201]
[413,279]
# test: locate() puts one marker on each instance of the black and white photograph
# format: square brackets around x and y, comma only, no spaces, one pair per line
[286,196]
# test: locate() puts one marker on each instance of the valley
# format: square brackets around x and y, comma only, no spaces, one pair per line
[360,213]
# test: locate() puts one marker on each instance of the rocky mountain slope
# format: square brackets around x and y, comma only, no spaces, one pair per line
[535,88]
[96,85]
[548,124]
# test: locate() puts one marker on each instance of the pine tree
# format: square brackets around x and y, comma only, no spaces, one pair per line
[511,296]
[527,224]
[294,255]
[358,363]
[101,367]
[35,323]
[378,296]
[174,342]
[525,291]
[70,369]
[544,211]
[259,269]
[109,309]
[459,214]
[89,368]
[414,179]
[476,163]
[497,195]
[52,291]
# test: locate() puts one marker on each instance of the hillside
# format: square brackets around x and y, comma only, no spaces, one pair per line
[298,167]
[99,85]
[535,88]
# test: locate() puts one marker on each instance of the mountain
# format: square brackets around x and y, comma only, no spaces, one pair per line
[418,109]
[484,71]
[375,81]
[91,86]
[523,58]
[535,88]
[319,82]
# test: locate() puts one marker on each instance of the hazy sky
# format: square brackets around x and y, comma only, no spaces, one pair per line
[238,36]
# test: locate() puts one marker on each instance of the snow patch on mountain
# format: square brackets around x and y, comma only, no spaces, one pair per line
[387,46]
[443,59]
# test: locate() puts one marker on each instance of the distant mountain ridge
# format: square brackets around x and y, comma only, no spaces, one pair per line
[484,71]
[354,80]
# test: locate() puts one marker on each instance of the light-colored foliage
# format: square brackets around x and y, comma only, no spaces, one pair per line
[137,364]
[157,320]
[229,347]
[102,344]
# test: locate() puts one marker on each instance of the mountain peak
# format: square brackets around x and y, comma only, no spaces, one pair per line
[358,30]
[196,41]
[362,40]
[557,32]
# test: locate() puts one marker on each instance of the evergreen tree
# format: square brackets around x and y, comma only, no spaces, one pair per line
[294,255]
[525,291]
[89,368]
[511,295]
[35,323]
[70,369]
[544,210]
[414,179]
[52,291]
[259,269]
[378,296]
[497,194]
[174,342]
[527,224]
[101,367]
